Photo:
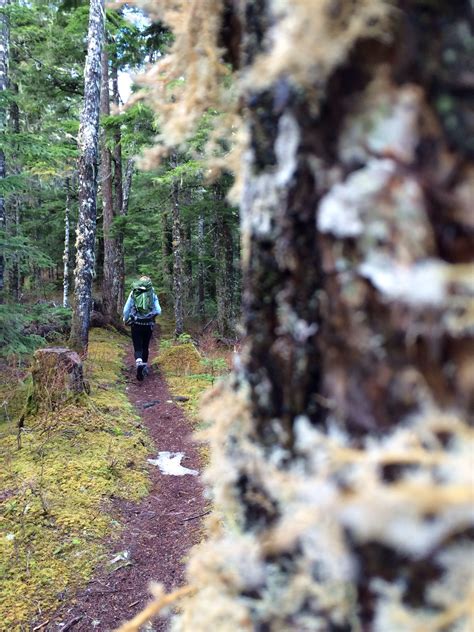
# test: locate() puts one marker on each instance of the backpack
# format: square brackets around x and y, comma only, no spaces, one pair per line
[142,294]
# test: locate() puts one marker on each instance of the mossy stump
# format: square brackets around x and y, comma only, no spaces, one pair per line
[57,378]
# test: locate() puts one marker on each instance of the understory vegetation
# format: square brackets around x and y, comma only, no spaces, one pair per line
[24,328]
[56,486]
[63,468]
[191,369]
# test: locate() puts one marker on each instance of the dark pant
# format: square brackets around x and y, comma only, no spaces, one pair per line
[141,336]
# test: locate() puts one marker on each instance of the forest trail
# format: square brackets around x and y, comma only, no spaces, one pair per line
[157,531]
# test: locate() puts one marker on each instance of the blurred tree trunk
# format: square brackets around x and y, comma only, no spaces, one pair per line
[88,140]
[342,450]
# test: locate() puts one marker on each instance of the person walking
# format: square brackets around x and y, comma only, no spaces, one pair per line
[139,312]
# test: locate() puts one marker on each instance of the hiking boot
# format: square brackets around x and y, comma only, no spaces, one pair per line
[145,370]
[139,363]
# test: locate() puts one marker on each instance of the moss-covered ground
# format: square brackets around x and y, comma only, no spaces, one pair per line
[189,373]
[55,490]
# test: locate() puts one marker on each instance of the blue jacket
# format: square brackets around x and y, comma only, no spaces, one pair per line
[156,311]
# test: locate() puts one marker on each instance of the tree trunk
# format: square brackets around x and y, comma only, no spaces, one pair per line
[14,283]
[167,250]
[127,185]
[14,204]
[224,276]
[201,284]
[343,452]
[188,285]
[66,256]
[109,280]
[88,140]
[119,202]
[177,262]
[4,54]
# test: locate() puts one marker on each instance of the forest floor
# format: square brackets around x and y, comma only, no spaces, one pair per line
[157,532]
[88,520]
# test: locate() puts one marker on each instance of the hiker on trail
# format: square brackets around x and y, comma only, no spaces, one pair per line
[140,311]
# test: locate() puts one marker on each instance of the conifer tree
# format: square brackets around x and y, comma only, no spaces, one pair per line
[87,169]
[177,260]
[4,53]
[120,201]
[109,294]
[67,235]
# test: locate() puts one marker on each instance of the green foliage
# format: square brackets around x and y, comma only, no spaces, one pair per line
[19,327]
[48,48]
[184,338]
[215,366]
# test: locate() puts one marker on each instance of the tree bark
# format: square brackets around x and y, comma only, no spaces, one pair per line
[66,255]
[201,284]
[127,186]
[4,54]
[177,261]
[119,201]
[167,249]
[109,282]
[14,275]
[88,140]
[341,452]
[224,275]
[14,203]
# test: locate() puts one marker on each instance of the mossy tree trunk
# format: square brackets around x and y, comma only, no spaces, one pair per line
[342,448]
[88,140]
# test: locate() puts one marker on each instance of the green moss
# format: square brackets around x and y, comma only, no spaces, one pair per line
[188,374]
[54,490]
[180,359]
[191,387]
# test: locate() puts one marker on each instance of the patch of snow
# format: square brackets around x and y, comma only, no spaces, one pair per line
[170,464]
[120,557]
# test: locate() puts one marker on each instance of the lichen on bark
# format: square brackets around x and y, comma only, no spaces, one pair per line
[340,451]
[88,139]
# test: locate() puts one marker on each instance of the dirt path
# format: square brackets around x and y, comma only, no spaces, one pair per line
[158,531]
